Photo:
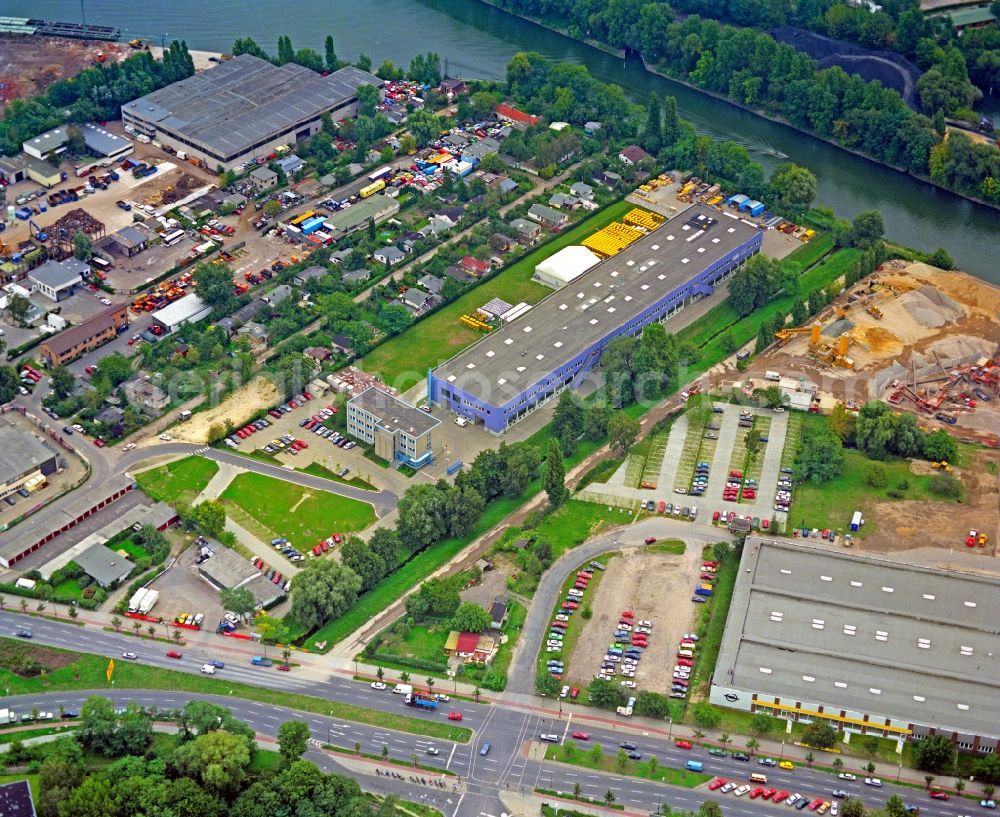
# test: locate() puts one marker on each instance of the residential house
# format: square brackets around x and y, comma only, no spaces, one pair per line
[290,164]
[343,345]
[436,227]
[318,353]
[527,231]
[508,186]
[409,240]
[431,283]
[250,311]
[309,274]
[564,201]
[389,255]
[582,191]
[478,151]
[355,276]
[608,178]
[548,217]
[452,214]
[519,119]
[103,565]
[278,294]
[453,86]
[500,242]
[111,416]
[591,127]
[227,325]
[256,333]
[633,154]
[340,256]
[142,392]
[498,614]
[457,274]
[473,647]
[417,301]
[263,178]
[473,265]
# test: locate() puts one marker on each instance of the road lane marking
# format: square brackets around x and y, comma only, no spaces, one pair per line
[454,746]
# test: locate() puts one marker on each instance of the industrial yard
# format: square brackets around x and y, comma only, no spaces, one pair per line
[29,65]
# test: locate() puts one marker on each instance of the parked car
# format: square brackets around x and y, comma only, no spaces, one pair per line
[174,654]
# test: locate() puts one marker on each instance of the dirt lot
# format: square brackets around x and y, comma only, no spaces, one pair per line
[654,586]
[29,65]
[902,525]
[256,395]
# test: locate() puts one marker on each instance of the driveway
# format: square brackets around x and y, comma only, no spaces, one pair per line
[521,675]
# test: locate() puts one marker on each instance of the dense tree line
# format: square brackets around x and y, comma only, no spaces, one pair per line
[753,69]
[95,94]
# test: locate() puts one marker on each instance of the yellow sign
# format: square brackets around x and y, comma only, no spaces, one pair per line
[111,668]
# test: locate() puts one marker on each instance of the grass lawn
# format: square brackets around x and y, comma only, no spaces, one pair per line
[299,514]
[23,734]
[576,522]
[267,761]
[182,480]
[317,470]
[403,360]
[831,504]
[808,254]
[717,609]
[131,548]
[88,672]
[609,761]
[424,643]
[394,586]
[68,589]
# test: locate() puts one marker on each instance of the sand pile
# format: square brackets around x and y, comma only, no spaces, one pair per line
[878,341]
[962,349]
[930,307]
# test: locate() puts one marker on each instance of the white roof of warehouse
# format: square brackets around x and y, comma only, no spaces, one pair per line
[180,310]
[567,264]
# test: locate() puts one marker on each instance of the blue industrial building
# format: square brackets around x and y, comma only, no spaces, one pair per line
[520,366]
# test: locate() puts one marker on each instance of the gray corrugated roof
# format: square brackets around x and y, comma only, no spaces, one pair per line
[20,451]
[245,100]
[55,275]
[227,568]
[864,635]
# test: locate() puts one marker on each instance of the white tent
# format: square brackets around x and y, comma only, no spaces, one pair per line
[564,266]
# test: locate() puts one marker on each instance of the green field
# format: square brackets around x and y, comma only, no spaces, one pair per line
[88,672]
[301,515]
[317,470]
[831,504]
[131,548]
[404,359]
[609,761]
[809,254]
[575,522]
[182,480]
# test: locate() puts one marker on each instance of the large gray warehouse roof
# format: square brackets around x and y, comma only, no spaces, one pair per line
[600,300]
[232,106]
[20,451]
[865,635]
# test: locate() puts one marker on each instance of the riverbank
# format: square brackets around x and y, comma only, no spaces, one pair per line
[758,112]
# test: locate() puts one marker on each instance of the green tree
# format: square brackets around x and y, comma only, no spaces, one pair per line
[652,133]
[794,189]
[332,63]
[652,705]
[363,560]
[821,456]
[555,475]
[17,308]
[987,768]
[867,228]
[214,283]
[286,53]
[62,382]
[605,694]
[239,601]
[934,753]
[546,685]
[368,99]
[83,247]
[208,517]
[623,431]
[940,446]
[761,725]
[568,421]
[753,745]
[853,807]
[820,735]
[323,590]
[424,126]
[217,761]
[709,808]
[98,725]
[596,753]
[293,740]
[706,715]
[940,259]
[470,618]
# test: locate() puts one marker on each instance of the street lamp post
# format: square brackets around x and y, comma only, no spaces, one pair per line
[329,731]
[782,751]
[670,727]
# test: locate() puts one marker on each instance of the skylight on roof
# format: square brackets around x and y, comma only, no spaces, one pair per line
[526,329]
[655,247]
[509,341]
[701,249]
[670,238]
[451,378]
[630,263]
[520,368]
[470,365]
[809,678]
[660,277]
[611,309]
[731,230]
[539,357]
[644,287]
[490,353]
[564,306]
[501,381]
[685,260]
[558,344]
[716,240]
[593,321]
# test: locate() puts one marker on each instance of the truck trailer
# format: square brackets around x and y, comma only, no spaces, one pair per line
[136,601]
[149,601]
[421,701]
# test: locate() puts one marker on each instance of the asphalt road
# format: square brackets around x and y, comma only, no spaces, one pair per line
[521,676]
[512,731]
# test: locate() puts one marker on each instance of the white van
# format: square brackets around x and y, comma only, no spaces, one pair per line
[208,669]
[461,422]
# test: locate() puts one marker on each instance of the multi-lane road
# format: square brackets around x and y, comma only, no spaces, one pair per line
[514,761]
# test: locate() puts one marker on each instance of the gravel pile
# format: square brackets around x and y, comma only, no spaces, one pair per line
[930,307]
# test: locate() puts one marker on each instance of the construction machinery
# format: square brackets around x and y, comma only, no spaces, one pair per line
[835,355]
[942,466]
[814,331]
[874,311]
[36,232]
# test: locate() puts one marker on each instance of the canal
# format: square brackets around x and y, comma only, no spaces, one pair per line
[477,41]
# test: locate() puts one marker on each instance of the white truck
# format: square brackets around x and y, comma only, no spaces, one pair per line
[149,601]
[402,689]
[136,601]
[8,716]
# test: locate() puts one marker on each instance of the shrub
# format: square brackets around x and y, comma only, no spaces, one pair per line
[84,581]
[945,485]
[875,476]
[903,485]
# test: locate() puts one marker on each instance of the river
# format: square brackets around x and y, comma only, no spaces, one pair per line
[477,41]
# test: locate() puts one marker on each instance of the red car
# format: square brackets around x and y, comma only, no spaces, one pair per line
[756,792]
[324,546]
[815,804]
[718,783]
[715,516]
[275,413]
[316,550]
[570,605]
[628,614]
[765,523]
[560,625]
[650,540]
[937,794]
[778,797]
[685,662]
[98,442]
[173,654]
[580,736]
[662,506]
[768,793]
[574,693]
[454,716]
[307,395]
[284,668]
[683,744]
[337,538]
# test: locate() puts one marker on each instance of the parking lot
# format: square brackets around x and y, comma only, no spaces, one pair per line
[182,590]
[649,584]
